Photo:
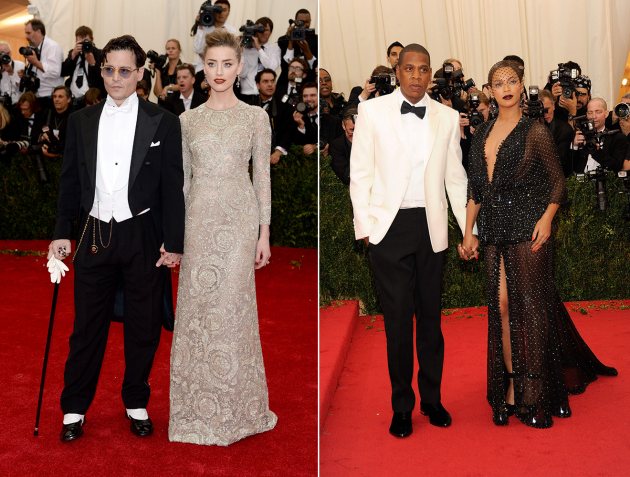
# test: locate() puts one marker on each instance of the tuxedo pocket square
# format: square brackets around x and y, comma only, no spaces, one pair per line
[155,144]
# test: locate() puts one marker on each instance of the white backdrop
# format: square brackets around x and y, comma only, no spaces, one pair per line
[594,33]
[152,22]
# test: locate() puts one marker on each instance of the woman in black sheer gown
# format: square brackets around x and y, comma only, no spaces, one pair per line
[536,357]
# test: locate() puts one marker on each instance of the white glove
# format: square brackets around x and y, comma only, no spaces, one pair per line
[57,269]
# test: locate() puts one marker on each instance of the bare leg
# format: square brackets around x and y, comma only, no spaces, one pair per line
[505,330]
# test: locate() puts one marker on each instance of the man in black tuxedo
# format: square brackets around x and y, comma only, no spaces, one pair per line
[306,127]
[188,97]
[83,68]
[305,49]
[341,147]
[610,154]
[561,131]
[122,177]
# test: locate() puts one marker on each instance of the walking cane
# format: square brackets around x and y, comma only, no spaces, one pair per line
[48,339]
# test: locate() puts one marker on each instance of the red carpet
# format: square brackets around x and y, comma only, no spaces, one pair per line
[595,441]
[287,297]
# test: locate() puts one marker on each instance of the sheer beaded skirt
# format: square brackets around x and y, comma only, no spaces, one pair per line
[549,357]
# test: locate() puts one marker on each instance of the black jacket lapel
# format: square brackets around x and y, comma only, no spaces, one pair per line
[146,126]
[90,136]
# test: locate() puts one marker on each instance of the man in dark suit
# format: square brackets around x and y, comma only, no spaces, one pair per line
[187,97]
[83,68]
[561,131]
[341,147]
[305,49]
[122,177]
[609,154]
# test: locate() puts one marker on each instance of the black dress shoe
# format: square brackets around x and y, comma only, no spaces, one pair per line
[141,427]
[563,410]
[401,424]
[438,416]
[71,432]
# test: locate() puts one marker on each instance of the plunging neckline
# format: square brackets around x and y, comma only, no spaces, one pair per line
[498,150]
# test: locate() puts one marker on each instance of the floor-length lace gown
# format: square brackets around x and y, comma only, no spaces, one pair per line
[218,385]
[549,357]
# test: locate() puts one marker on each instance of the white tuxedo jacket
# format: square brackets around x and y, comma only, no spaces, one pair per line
[380,170]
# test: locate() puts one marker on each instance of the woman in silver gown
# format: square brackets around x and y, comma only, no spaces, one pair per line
[536,357]
[218,387]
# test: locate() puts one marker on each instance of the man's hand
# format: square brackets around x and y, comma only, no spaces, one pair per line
[366,241]
[469,248]
[76,51]
[324,152]
[570,104]
[578,140]
[368,89]
[556,90]
[90,58]
[309,149]
[624,125]
[275,157]
[32,59]
[168,259]
[59,249]
[306,49]
[299,119]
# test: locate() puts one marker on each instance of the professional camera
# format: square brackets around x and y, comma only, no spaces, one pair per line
[29,82]
[566,76]
[451,84]
[295,99]
[534,106]
[299,31]
[158,60]
[474,116]
[12,147]
[598,176]
[622,110]
[594,139]
[26,50]
[207,12]
[87,46]
[5,59]
[5,100]
[249,30]
[385,83]
[48,138]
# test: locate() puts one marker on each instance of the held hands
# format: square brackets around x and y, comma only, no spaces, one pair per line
[168,259]
[469,248]
[542,232]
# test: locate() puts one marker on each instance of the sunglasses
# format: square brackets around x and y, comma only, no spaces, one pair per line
[123,71]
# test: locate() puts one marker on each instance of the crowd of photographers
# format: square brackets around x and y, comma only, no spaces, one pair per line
[39,93]
[590,137]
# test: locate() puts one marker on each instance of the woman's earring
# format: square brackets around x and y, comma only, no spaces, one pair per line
[238,81]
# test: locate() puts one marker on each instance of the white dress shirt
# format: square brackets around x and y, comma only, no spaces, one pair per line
[10,83]
[290,54]
[268,56]
[417,131]
[187,101]
[199,43]
[116,132]
[79,71]
[51,57]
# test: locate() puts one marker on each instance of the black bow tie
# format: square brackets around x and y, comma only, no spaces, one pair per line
[408,108]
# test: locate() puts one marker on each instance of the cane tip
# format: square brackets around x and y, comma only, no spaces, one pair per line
[36,432]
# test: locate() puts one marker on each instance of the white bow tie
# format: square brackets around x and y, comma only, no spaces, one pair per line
[111,108]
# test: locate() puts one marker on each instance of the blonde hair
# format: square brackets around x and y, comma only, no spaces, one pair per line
[222,37]
[174,40]
[5,117]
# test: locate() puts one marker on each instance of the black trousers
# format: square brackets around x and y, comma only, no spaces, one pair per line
[132,254]
[408,276]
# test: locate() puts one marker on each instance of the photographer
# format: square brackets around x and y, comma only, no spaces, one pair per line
[9,78]
[206,23]
[341,147]
[280,114]
[561,131]
[335,102]
[187,98]
[165,69]
[44,62]
[30,120]
[258,54]
[371,90]
[53,137]
[613,121]
[300,41]
[593,146]
[83,66]
[306,123]
[570,90]
[477,112]
[291,83]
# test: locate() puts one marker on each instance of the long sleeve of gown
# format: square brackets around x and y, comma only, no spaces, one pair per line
[260,165]
[541,141]
[186,157]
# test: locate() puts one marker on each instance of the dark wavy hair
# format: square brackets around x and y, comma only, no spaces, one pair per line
[518,69]
[126,43]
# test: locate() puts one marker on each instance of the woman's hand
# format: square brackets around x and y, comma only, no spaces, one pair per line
[469,248]
[263,252]
[542,232]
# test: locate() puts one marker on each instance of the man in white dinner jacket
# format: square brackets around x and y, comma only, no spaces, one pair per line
[405,157]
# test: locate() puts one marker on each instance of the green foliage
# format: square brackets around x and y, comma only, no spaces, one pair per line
[592,250]
[294,200]
[28,207]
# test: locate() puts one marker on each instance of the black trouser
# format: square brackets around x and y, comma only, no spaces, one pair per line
[132,253]
[408,276]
